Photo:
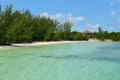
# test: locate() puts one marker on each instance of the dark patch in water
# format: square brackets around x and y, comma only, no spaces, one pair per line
[109,49]
[100,58]
[110,59]
[63,57]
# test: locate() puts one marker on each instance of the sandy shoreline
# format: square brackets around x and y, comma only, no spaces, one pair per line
[45,43]
[37,43]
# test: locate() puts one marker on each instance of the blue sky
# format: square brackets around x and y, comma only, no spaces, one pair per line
[84,14]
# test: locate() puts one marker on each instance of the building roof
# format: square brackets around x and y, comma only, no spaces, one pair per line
[87,31]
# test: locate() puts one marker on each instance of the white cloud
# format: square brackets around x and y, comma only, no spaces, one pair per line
[88,25]
[113,13]
[69,15]
[96,26]
[59,15]
[45,14]
[93,27]
[63,17]
[112,4]
[81,18]
[112,28]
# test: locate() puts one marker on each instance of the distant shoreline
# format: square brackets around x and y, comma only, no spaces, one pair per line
[41,43]
[47,43]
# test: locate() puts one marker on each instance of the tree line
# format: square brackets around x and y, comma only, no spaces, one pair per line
[21,26]
[103,35]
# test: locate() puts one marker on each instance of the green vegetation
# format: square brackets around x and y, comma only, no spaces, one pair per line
[78,36]
[21,26]
[102,35]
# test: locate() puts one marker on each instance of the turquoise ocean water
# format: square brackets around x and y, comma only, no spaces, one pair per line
[68,61]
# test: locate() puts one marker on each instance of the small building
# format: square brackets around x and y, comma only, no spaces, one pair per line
[88,32]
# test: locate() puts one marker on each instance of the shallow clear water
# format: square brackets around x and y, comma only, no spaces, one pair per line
[70,61]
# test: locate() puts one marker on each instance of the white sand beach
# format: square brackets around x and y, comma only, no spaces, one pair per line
[45,43]
[51,42]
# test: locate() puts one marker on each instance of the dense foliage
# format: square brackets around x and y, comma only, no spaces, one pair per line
[21,26]
[102,35]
